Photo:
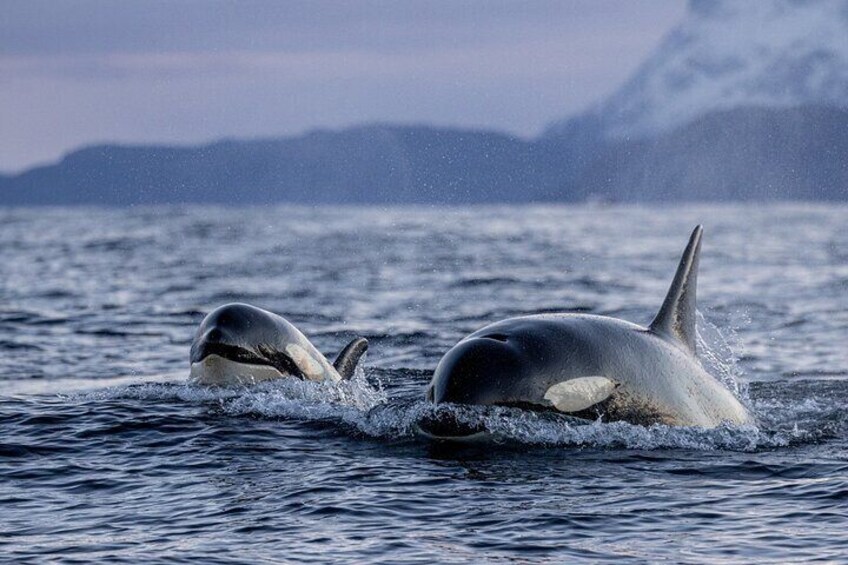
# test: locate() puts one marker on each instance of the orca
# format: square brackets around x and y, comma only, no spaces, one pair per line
[590,367]
[242,344]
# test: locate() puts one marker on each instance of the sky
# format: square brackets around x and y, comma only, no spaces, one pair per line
[189,71]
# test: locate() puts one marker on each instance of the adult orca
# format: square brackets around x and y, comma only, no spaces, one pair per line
[243,344]
[590,367]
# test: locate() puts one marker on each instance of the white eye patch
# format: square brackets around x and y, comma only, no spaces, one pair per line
[311,368]
[578,394]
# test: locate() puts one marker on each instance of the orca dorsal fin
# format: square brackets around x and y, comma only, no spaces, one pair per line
[676,318]
[345,363]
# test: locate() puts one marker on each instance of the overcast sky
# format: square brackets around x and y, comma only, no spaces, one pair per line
[73,73]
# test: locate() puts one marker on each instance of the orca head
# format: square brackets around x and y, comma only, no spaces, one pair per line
[477,370]
[480,370]
[239,340]
[499,367]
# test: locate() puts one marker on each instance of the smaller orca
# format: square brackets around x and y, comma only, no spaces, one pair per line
[243,344]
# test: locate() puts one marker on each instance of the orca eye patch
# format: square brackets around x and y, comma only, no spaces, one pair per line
[282,362]
[578,394]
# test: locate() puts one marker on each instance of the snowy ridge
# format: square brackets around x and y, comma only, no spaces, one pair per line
[734,53]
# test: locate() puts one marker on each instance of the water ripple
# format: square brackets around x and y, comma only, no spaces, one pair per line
[107,454]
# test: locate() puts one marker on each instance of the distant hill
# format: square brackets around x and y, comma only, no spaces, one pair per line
[740,154]
[753,154]
[374,164]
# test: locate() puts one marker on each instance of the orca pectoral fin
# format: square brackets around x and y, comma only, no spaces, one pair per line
[676,318]
[345,363]
[579,394]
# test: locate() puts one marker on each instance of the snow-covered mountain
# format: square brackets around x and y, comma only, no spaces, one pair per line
[727,54]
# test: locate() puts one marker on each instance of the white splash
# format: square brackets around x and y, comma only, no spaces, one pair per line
[719,351]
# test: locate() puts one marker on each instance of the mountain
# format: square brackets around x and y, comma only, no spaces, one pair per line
[729,54]
[747,154]
[372,164]
[741,101]
[744,100]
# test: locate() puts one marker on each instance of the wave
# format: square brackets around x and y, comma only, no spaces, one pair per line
[364,409]
[365,406]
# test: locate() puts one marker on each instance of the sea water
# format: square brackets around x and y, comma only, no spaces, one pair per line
[107,454]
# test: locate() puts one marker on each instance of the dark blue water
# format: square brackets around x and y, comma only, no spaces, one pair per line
[107,455]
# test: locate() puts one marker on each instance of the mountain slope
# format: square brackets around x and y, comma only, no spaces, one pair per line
[374,164]
[754,154]
[730,53]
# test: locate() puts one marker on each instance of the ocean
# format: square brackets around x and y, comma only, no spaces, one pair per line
[107,454]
